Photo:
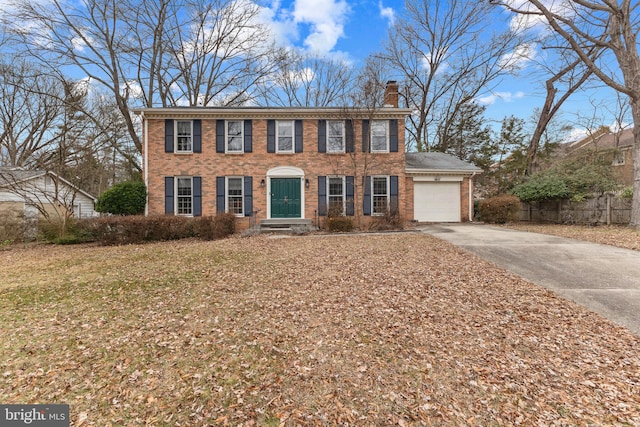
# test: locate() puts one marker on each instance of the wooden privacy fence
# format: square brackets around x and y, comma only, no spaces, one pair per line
[608,208]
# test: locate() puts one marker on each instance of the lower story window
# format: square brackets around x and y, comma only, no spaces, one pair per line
[380,194]
[234,195]
[184,201]
[336,196]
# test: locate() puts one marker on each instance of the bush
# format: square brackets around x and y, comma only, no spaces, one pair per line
[387,221]
[126,198]
[542,187]
[119,230]
[575,180]
[218,227]
[627,192]
[499,209]
[339,224]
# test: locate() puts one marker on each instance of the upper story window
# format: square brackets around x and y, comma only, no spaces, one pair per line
[380,136]
[234,195]
[184,199]
[380,194]
[335,136]
[284,137]
[235,136]
[184,136]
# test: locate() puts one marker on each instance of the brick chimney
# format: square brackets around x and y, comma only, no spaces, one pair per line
[391,94]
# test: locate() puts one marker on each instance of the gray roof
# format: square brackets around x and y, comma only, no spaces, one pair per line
[433,161]
[11,175]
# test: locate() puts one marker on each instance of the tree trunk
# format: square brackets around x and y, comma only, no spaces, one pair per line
[635,204]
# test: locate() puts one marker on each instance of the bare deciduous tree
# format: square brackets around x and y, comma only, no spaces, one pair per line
[29,112]
[446,55]
[152,53]
[613,27]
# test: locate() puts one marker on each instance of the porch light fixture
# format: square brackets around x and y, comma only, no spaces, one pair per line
[262,183]
[306,183]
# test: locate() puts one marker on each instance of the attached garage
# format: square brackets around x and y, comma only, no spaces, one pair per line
[442,187]
[436,201]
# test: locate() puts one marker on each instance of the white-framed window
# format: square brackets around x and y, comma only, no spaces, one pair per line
[284,136]
[184,136]
[380,136]
[336,195]
[335,136]
[184,195]
[234,136]
[379,195]
[619,158]
[235,195]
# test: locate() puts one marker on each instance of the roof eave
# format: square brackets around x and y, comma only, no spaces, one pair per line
[465,172]
[272,113]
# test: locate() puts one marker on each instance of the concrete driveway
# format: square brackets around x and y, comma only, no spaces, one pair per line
[602,278]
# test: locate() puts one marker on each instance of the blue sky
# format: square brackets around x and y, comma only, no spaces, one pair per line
[353,29]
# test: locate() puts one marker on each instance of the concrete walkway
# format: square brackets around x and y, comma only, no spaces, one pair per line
[602,278]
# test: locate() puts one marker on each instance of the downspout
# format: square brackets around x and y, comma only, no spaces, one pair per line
[471,196]
[146,161]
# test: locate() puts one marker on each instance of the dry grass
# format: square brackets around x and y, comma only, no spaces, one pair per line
[400,329]
[614,235]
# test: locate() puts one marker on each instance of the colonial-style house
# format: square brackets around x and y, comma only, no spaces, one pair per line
[278,164]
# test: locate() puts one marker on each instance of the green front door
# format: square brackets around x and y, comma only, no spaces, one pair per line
[285,198]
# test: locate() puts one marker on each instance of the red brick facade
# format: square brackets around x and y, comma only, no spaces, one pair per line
[257,164]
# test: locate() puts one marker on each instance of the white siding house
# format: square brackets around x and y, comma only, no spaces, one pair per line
[27,196]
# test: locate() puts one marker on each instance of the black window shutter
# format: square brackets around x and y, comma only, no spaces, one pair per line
[248,196]
[365,136]
[220,195]
[322,136]
[366,200]
[197,196]
[220,136]
[168,136]
[248,137]
[271,136]
[393,189]
[197,136]
[350,195]
[168,195]
[350,143]
[298,136]
[322,195]
[393,136]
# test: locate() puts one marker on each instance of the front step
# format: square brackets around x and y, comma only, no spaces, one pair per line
[286,226]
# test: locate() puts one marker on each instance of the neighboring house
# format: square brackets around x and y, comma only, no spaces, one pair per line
[26,196]
[616,148]
[278,164]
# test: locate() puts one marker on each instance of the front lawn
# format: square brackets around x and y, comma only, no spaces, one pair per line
[397,329]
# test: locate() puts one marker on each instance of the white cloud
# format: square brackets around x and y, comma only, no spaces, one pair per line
[520,57]
[280,22]
[388,13]
[503,96]
[534,21]
[79,44]
[326,21]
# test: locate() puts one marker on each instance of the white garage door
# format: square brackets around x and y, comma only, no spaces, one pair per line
[436,201]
